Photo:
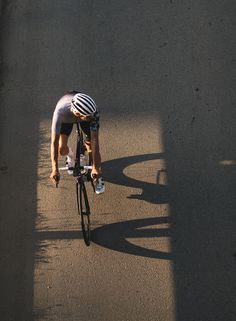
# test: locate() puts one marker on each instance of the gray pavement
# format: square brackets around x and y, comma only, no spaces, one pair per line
[163,74]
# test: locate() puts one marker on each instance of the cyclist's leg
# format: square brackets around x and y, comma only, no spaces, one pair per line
[85,126]
[63,140]
[63,147]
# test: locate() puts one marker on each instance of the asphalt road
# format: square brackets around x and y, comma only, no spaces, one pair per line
[164,241]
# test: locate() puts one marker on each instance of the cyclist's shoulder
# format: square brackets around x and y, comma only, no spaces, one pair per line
[94,122]
[95,117]
[96,114]
[64,101]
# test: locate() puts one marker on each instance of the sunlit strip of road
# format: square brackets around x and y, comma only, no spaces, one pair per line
[61,256]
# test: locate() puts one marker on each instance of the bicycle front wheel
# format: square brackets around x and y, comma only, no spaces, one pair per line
[84,210]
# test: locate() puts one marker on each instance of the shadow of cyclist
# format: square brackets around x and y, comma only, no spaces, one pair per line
[118,236]
[155,193]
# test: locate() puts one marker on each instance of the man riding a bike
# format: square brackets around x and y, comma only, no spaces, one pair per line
[75,107]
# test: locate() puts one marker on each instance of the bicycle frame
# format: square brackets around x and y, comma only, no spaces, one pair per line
[81,177]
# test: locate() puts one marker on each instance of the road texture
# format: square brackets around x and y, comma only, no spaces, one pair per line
[164,241]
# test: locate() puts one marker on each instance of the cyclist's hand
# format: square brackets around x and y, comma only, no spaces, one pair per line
[55,177]
[96,173]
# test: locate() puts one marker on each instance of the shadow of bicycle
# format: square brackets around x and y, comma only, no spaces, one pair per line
[155,193]
[120,236]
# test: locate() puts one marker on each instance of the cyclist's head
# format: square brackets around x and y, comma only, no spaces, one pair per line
[83,104]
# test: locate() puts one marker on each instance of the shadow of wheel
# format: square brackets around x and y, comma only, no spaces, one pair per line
[118,236]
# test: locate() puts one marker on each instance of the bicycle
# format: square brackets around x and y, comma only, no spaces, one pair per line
[82,174]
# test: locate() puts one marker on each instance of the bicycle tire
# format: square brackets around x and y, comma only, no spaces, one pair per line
[84,211]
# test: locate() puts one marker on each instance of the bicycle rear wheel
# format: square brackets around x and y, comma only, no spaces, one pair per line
[84,211]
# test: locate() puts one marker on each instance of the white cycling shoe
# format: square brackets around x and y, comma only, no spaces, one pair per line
[70,163]
[99,186]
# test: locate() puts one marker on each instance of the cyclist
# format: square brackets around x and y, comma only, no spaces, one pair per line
[72,107]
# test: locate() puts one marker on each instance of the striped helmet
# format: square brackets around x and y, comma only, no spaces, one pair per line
[83,104]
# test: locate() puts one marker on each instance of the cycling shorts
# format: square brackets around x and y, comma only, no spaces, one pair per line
[66,129]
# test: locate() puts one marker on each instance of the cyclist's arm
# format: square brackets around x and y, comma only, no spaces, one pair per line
[95,150]
[54,151]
